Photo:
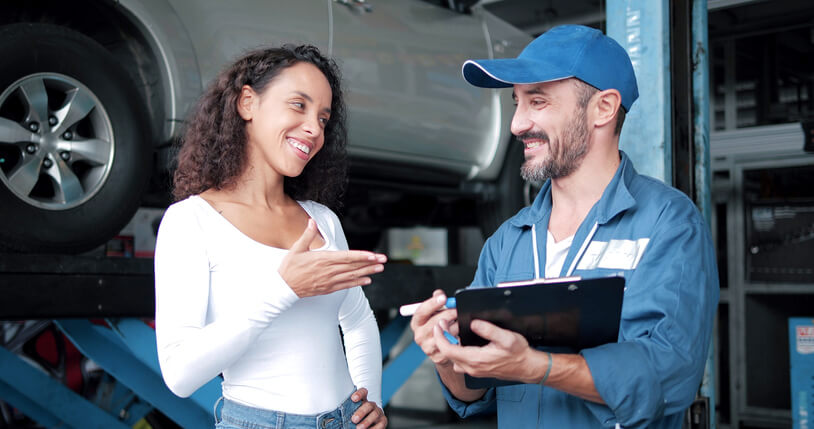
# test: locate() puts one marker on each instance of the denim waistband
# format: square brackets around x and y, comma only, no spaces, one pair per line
[238,415]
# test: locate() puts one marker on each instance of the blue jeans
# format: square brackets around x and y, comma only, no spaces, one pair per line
[237,416]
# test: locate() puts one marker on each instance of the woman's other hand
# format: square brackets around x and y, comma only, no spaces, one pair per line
[368,415]
[310,273]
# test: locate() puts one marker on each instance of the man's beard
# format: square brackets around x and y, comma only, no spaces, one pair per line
[565,155]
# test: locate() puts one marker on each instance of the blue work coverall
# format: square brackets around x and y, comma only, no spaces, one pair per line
[656,238]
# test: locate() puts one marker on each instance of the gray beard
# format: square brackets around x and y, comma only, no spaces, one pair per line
[565,155]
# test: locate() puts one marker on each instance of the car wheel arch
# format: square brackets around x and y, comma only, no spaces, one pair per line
[126,33]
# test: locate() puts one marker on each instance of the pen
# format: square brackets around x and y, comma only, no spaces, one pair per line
[409,309]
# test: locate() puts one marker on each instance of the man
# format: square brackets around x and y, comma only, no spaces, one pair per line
[595,216]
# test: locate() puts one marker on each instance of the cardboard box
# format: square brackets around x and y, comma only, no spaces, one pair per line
[137,238]
[420,245]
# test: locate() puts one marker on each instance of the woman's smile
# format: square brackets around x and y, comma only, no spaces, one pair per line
[301,148]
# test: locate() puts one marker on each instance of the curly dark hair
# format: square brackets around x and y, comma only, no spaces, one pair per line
[213,152]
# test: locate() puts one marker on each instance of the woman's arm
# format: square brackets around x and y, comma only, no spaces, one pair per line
[363,351]
[362,344]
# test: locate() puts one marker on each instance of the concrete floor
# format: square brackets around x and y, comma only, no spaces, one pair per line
[419,403]
[399,421]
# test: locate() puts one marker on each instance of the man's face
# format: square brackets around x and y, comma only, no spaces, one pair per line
[553,129]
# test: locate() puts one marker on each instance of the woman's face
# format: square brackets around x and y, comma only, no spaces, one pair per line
[285,124]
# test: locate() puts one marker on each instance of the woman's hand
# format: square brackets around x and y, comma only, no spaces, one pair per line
[368,415]
[310,273]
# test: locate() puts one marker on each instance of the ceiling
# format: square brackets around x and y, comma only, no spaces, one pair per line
[537,16]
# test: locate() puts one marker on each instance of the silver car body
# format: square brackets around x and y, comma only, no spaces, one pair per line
[400,59]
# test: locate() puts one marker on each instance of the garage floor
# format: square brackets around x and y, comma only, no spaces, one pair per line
[420,404]
[397,421]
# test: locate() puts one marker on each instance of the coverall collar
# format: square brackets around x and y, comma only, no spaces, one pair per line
[615,199]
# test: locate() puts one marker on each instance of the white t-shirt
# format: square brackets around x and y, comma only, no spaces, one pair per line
[222,307]
[555,254]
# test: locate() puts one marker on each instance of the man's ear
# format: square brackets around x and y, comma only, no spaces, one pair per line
[245,102]
[608,103]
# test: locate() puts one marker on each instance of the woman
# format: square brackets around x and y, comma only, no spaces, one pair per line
[252,269]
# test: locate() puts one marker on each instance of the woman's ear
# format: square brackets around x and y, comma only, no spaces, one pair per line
[245,102]
[608,103]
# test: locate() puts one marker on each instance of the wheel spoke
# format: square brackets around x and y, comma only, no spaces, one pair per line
[78,104]
[36,97]
[24,177]
[95,151]
[68,188]
[12,132]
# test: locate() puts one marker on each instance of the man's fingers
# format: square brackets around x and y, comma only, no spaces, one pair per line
[428,349]
[444,325]
[452,352]
[500,337]
[304,242]
[453,328]
[428,308]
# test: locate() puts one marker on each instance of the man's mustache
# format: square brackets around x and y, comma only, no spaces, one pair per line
[535,135]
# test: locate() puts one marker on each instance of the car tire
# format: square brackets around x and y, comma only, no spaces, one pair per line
[75,152]
[511,192]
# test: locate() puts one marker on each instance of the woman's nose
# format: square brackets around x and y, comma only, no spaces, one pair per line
[312,126]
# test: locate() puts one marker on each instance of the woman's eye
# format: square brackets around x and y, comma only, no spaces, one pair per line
[324,121]
[298,104]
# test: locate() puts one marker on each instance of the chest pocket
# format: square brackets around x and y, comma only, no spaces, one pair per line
[613,255]
[511,393]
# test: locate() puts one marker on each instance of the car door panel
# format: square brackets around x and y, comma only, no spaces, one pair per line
[222,30]
[407,100]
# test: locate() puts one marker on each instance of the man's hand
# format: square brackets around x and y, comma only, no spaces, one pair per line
[310,273]
[426,317]
[368,415]
[507,356]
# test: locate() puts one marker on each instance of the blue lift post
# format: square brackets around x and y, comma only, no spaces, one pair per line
[643,28]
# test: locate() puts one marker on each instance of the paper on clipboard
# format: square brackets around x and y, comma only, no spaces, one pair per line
[533,282]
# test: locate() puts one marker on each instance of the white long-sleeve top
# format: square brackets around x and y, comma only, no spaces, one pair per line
[222,307]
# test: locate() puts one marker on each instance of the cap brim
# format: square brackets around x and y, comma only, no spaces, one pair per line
[505,72]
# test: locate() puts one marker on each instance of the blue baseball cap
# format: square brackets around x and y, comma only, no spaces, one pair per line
[559,53]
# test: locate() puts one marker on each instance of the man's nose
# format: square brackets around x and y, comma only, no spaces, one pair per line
[520,122]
